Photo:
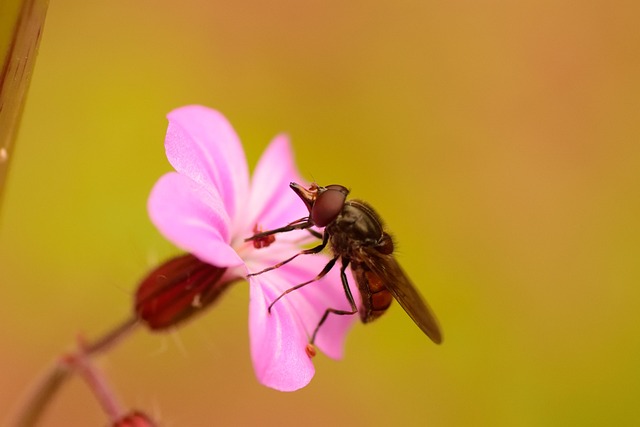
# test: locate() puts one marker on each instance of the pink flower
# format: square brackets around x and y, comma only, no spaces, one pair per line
[210,206]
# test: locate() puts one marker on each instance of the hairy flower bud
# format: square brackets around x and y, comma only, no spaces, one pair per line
[178,289]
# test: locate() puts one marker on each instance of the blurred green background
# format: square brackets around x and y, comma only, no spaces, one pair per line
[499,140]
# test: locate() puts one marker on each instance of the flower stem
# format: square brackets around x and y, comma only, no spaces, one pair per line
[17,61]
[30,412]
[111,338]
[98,384]
[32,409]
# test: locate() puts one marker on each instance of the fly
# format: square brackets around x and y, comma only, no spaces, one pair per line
[357,237]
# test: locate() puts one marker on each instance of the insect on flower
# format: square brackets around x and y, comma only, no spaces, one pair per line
[207,207]
[356,235]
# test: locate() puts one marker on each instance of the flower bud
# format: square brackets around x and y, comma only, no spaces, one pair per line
[134,419]
[178,289]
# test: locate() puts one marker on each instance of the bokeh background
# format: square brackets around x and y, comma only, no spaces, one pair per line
[499,140]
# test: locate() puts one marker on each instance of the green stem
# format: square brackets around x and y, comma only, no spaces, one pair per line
[16,69]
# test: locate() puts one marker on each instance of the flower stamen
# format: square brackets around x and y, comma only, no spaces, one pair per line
[264,241]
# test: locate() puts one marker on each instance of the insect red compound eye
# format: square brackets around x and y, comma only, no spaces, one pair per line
[328,204]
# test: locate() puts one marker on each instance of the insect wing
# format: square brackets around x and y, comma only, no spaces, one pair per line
[397,282]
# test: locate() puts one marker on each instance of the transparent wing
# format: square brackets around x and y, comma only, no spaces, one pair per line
[397,282]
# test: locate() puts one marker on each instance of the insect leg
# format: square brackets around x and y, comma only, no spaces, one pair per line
[320,275]
[299,224]
[313,250]
[347,291]
[315,233]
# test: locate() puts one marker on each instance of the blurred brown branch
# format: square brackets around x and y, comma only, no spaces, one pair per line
[17,66]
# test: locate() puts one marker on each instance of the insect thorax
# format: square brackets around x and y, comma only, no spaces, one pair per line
[357,225]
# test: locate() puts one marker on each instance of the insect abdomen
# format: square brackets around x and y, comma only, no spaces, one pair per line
[376,299]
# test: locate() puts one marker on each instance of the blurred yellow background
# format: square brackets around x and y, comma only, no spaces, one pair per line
[499,140]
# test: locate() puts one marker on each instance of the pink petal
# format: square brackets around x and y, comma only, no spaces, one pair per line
[311,301]
[272,203]
[202,145]
[192,217]
[278,340]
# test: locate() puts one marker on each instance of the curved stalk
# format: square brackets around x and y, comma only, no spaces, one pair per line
[35,404]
